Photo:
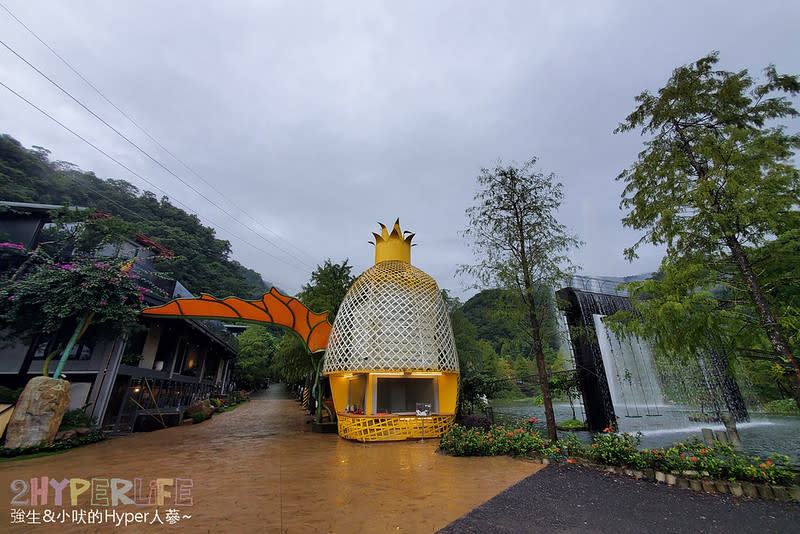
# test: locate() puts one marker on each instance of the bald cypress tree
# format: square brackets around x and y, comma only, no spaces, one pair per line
[520,245]
[716,185]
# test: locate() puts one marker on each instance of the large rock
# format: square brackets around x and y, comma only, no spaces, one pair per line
[203,406]
[38,412]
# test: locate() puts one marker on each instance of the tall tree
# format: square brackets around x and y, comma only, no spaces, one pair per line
[715,181]
[328,286]
[47,295]
[324,292]
[256,347]
[519,244]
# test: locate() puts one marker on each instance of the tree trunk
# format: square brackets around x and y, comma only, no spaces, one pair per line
[547,396]
[794,384]
[767,318]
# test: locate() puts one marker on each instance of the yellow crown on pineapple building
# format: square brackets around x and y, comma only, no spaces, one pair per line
[392,246]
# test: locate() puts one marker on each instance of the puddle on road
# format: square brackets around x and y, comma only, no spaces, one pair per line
[259,468]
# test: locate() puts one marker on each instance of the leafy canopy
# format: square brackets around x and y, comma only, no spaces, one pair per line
[256,347]
[715,165]
[57,294]
[514,232]
[324,292]
[716,184]
[328,286]
[520,245]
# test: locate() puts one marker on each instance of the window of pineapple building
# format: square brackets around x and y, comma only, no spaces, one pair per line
[400,395]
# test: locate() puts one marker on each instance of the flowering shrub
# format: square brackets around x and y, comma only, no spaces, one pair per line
[514,440]
[612,448]
[217,402]
[56,293]
[694,457]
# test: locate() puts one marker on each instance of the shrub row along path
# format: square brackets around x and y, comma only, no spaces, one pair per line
[259,468]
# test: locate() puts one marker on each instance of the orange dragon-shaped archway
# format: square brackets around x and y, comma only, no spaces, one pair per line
[273,308]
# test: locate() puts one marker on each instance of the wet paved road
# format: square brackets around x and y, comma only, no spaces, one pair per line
[260,469]
[569,499]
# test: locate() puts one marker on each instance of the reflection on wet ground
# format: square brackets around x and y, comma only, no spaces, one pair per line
[260,468]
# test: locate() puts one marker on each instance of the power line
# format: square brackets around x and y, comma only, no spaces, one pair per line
[145,153]
[125,208]
[132,121]
[112,158]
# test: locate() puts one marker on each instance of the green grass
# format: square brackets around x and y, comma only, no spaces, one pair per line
[571,424]
[233,407]
[782,407]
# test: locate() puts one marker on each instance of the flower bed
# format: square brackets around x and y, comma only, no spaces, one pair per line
[690,460]
[517,440]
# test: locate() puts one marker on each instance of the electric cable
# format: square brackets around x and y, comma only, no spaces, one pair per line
[112,158]
[139,216]
[144,152]
[137,125]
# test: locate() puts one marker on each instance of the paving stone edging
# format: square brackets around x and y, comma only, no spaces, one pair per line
[687,481]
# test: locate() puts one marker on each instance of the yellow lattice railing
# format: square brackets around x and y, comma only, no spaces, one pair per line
[392,428]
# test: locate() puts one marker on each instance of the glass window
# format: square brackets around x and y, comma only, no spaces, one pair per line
[401,395]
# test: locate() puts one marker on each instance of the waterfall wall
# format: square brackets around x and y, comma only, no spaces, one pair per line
[581,307]
[619,377]
[630,368]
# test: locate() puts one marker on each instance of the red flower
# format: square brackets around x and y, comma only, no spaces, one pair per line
[532,420]
[769,462]
[693,458]
[683,455]
[595,445]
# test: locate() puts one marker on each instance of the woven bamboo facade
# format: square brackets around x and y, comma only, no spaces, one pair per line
[391,358]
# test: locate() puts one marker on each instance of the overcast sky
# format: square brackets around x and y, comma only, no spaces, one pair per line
[317,120]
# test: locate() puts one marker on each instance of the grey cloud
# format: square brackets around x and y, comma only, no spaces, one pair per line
[320,120]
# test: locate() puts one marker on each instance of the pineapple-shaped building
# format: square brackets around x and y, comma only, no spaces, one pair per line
[391,359]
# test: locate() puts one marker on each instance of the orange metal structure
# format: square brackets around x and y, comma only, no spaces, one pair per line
[273,308]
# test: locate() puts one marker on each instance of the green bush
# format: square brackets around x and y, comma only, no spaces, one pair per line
[782,407]
[508,394]
[8,395]
[198,417]
[237,396]
[612,448]
[64,444]
[513,440]
[719,461]
[76,418]
[572,424]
